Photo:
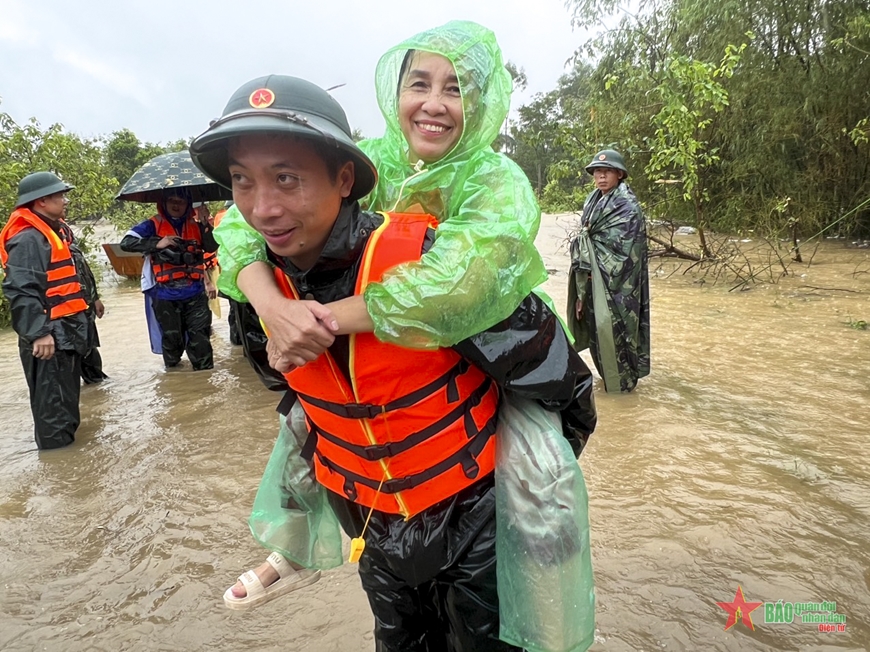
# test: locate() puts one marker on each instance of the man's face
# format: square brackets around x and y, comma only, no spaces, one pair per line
[176,206]
[53,206]
[284,190]
[606,179]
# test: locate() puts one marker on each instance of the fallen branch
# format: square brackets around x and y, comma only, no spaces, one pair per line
[672,250]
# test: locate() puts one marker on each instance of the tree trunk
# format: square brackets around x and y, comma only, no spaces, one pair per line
[699,218]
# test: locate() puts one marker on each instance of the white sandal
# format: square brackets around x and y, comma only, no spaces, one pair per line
[289,579]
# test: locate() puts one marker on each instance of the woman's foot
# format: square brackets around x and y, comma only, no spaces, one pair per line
[267,582]
[266,574]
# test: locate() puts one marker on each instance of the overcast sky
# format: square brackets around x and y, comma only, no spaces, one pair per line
[164,68]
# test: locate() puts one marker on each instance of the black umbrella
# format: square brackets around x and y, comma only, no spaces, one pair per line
[173,170]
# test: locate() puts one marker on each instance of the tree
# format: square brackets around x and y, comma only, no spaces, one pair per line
[548,140]
[29,148]
[791,131]
[691,94]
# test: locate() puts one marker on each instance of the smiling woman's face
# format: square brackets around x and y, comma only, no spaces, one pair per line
[430,107]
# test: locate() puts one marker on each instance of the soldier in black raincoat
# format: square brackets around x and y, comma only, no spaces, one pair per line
[431,577]
[48,306]
[608,292]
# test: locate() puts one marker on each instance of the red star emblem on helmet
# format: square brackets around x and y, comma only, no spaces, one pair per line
[261,98]
[603,157]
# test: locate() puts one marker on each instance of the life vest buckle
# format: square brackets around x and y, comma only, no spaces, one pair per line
[377,452]
[362,410]
[350,489]
[399,484]
[470,467]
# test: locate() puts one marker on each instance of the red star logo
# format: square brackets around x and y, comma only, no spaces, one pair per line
[261,98]
[739,609]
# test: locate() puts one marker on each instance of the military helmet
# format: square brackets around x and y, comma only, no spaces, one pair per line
[281,104]
[37,185]
[607,158]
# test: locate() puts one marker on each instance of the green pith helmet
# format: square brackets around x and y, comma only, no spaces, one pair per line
[608,158]
[37,185]
[282,105]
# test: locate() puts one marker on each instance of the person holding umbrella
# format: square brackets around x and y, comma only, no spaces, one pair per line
[173,243]
[48,306]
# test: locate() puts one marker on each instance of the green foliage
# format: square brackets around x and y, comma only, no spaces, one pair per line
[857,324]
[29,148]
[547,141]
[783,118]
[124,154]
[96,167]
[518,75]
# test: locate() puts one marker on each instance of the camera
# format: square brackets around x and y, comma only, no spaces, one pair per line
[183,252]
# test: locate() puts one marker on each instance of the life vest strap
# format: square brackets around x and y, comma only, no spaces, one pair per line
[371,410]
[54,300]
[465,457]
[390,449]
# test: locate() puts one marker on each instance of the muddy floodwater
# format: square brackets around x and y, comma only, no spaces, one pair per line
[742,460]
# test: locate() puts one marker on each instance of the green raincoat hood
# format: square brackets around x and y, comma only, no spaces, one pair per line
[484,261]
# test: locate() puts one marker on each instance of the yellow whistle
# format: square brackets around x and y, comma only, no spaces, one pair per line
[357,546]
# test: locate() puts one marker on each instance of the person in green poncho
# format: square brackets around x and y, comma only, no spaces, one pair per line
[435,157]
[444,94]
[608,293]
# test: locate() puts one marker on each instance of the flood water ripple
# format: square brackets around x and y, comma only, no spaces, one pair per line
[741,461]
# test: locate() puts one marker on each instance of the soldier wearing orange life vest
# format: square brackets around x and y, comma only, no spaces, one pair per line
[174,278]
[403,439]
[48,306]
[405,429]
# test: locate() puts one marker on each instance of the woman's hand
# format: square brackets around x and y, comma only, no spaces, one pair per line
[298,331]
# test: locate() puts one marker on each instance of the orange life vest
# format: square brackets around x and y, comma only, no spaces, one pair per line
[63,296]
[165,272]
[410,427]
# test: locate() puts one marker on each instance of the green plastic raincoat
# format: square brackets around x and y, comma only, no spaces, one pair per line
[484,261]
[610,278]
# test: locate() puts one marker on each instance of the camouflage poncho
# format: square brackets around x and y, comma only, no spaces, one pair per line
[609,275]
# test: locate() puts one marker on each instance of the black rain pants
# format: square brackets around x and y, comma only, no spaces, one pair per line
[431,580]
[185,325]
[55,386]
